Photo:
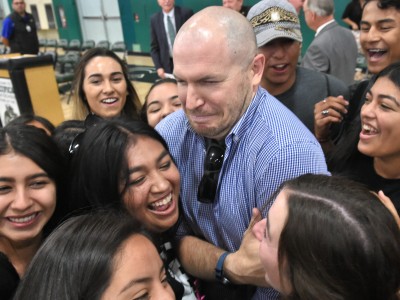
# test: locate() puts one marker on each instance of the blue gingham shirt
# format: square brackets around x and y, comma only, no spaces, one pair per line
[267,146]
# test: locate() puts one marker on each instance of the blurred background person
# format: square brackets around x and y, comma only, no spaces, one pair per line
[164,27]
[352,14]
[334,49]
[19,30]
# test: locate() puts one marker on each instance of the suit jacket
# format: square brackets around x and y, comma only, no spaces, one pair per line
[333,51]
[159,41]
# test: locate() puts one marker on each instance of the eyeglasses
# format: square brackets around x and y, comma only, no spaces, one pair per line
[91,120]
[212,166]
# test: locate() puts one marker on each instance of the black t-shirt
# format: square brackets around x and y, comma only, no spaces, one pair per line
[362,170]
[353,11]
[9,278]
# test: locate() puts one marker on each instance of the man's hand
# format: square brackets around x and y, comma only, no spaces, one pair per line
[326,112]
[244,266]
[161,73]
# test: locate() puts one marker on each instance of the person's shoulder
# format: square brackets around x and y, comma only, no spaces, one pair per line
[175,122]
[6,267]
[155,15]
[184,9]
[277,120]
[336,82]
[343,30]
[9,278]
[329,31]
[308,79]
[8,20]
[305,72]
[358,89]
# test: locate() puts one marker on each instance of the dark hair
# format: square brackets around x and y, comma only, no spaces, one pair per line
[345,155]
[28,118]
[143,111]
[339,241]
[101,162]
[77,260]
[35,144]
[392,72]
[65,133]
[385,4]
[81,107]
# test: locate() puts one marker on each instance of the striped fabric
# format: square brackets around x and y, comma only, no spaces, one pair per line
[267,146]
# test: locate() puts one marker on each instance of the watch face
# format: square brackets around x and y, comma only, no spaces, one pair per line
[225,281]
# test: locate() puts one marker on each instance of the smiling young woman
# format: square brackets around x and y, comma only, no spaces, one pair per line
[376,159]
[103,255]
[31,172]
[161,100]
[327,237]
[132,170]
[102,87]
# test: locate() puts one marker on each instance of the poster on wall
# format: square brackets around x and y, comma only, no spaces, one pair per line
[9,109]
[62,17]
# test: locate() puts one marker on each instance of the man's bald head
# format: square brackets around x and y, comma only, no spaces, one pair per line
[220,26]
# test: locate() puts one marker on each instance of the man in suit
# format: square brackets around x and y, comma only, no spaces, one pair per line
[164,26]
[334,48]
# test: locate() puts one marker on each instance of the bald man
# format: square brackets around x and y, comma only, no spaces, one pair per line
[234,144]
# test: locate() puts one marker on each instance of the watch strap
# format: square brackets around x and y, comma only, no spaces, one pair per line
[219,269]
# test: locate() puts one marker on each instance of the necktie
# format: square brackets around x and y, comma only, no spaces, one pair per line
[171,30]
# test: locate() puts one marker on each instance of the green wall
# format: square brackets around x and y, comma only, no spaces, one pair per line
[137,32]
[70,29]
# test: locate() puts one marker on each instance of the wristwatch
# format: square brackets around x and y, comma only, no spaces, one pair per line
[219,270]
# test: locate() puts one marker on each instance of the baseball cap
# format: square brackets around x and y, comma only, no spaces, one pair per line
[272,19]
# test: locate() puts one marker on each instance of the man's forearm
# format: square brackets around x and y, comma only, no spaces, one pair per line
[199,257]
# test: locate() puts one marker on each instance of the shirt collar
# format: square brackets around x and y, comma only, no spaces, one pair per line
[323,26]
[241,127]
[170,14]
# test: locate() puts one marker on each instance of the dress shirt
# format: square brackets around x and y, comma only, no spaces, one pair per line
[267,146]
